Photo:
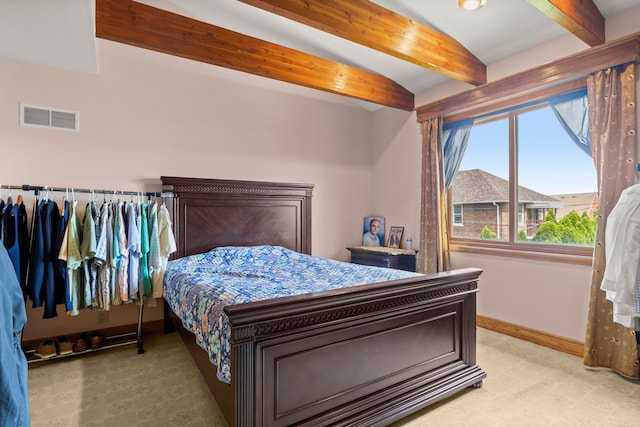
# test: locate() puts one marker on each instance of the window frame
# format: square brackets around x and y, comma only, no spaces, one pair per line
[512,247]
[461,223]
[552,78]
[521,215]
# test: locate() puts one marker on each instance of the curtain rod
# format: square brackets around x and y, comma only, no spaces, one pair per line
[38,188]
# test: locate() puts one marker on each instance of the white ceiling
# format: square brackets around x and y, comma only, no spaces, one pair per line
[60,33]
[57,33]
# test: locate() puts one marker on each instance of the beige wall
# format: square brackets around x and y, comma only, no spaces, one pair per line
[396,162]
[145,115]
[546,296]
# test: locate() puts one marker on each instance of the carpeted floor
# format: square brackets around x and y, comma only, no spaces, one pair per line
[527,385]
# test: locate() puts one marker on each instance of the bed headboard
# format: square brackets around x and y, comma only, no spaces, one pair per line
[207,213]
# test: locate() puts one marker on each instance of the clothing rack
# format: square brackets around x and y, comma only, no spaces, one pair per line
[118,340]
[38,188]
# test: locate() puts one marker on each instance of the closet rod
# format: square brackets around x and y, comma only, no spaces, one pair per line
[38,188]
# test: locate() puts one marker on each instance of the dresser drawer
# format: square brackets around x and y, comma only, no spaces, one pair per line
[383,259]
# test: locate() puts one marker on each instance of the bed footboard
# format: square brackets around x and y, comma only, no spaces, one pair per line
[361,356]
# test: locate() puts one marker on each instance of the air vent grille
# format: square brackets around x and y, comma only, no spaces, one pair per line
[32,115]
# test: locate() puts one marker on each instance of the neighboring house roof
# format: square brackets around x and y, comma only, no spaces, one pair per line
[478,186]
[579,202]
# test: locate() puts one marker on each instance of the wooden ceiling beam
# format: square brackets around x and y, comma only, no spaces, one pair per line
[562,71]
[147,27]
[582,18]
[371,25]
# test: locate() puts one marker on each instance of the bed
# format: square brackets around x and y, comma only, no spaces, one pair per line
[364,355]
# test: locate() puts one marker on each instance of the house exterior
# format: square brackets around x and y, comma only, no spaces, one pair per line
[481,200]
[579,202]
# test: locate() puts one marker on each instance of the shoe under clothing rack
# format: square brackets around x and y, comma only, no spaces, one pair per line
[109,341]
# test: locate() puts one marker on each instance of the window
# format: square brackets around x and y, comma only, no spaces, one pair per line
[520,214]
[457,215]
[537,214]
[523,183]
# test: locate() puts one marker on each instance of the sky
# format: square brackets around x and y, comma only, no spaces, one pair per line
[549,162]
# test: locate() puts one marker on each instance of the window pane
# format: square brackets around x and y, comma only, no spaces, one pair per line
[481,186]
[457,215]
[554,176]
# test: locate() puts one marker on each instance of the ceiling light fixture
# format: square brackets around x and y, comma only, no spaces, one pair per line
[471,4]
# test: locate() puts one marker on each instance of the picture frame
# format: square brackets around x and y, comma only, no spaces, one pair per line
[395,237]
[373,239]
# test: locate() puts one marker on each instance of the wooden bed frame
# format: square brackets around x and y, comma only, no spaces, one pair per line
[363,356]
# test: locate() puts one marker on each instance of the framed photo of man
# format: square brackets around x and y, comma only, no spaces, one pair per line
[373,231]
[395,236]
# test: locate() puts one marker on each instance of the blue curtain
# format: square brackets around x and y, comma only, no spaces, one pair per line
[455,137]
[572,110]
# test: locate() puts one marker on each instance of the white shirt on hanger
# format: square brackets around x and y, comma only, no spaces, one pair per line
[622,251]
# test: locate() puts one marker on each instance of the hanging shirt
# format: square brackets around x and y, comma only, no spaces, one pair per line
[155,258]
[36,266]
[16,238]
[50,219]
[14,398]
[41,286]
[25,243]
[123,263]
[70,252]
[102,259]
[622,252]
[167,241]
[144,280]
[115,255]
[11,241]
[62,295]
[88,250]
[133,240]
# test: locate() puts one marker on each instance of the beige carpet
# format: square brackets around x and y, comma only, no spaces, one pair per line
[527,385]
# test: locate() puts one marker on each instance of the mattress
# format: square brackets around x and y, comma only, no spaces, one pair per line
[198,287]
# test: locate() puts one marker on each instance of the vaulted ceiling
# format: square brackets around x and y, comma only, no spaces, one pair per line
[381,52]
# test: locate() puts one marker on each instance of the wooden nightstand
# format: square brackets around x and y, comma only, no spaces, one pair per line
[401,259]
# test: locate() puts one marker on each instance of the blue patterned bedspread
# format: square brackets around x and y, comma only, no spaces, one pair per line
[198,287]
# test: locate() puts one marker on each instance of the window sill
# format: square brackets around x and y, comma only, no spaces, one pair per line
[581,256]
